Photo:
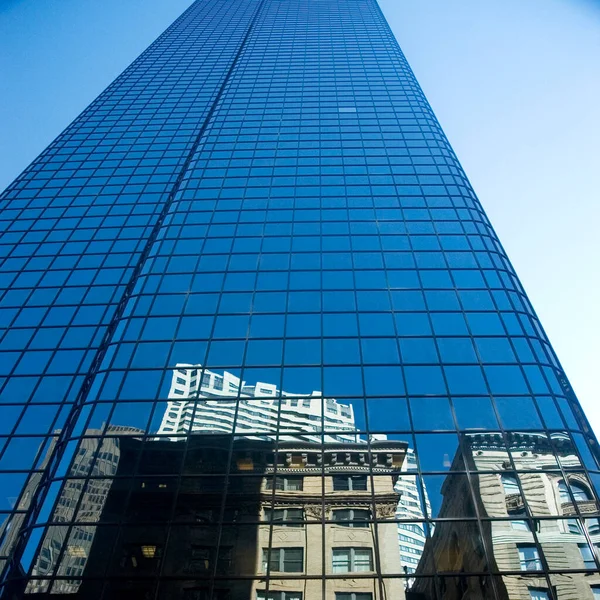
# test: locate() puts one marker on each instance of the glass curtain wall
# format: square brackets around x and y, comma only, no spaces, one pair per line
[262,342]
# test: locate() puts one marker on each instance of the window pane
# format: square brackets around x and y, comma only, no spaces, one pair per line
[362,559]
[293,560]
[341,560]
[529,558]
[350,483]
[510,484]
[352,517]
[587,556]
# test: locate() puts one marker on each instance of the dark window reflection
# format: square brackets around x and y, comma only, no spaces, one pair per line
[352,517]
[286,560]
[346,483]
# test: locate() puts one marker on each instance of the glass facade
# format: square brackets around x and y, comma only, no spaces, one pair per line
[261,342]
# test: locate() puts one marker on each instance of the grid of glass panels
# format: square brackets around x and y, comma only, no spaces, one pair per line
[324,380]
[75,226]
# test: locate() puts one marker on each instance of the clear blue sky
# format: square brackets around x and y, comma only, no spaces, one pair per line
[515,84]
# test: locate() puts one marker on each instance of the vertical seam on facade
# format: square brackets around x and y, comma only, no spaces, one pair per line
[48,474]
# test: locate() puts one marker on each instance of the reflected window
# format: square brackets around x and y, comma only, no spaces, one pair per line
[538,594]
[345,483]
[203,515]
[262,595]
[201,559]
[574,526]
[588,556]
[593,526]
[529,557]
[286,484]
[520,525]
[510,484]
[353,596]
[284,560]
[352,560]
[352,517]
[144,557]
[563,491]
[596,592]
[285,517]
[579,491]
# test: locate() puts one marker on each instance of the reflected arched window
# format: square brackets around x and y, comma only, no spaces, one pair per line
[510,484]
[579,491]
[563,490]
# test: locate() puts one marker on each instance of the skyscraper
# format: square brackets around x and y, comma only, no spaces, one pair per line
[263,343]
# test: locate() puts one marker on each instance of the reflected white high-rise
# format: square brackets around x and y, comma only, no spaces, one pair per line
[411,535]
[201,400]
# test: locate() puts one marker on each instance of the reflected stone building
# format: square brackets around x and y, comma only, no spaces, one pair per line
[84,502]
[538,510]
[357,488]
[244,507]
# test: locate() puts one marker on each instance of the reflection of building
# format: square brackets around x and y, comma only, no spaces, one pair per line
[172,522]
[358,486]
[10,528]
[202,400]
[209,509]
[82,501]
[238,511]
[411,535]
[539,513]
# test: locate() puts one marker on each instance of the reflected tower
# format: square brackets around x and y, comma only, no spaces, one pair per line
[261,342]
[203,400]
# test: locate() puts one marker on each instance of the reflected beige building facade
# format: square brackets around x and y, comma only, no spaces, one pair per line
[533,517]
[338,536]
